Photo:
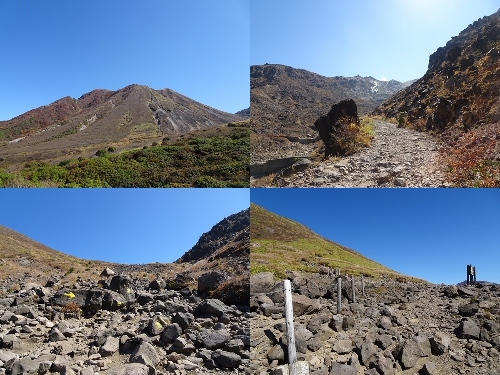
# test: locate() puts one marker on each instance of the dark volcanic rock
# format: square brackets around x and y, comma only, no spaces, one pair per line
[331,125]
[222,233]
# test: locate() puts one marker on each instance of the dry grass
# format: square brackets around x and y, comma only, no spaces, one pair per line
[474,159]
[279,245]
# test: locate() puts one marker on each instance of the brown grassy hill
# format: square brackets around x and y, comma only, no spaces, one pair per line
[130,117]
[20,255]
[286,101]
[458,100]
[278,244]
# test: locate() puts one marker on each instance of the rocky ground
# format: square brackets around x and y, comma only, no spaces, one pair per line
[398,327]
[118,325]
[397,157]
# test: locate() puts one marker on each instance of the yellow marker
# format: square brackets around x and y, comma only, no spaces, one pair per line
[128,290]
[158,325]
[69,295]
[118,303]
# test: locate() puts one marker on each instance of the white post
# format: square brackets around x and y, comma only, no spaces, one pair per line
[290,334]
[353,292]
[339,295]
[362,285]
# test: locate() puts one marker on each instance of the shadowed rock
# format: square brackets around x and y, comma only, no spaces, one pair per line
[331,124]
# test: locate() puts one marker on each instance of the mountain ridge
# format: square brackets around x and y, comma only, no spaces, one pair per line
[133,116]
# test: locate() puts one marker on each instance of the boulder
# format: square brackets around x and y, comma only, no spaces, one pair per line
[130,369]
[93,299]
[146,354]
[213,307]
[261,282]
[123,285]
[303,305]
[217,339]
[226,359]
[468,329]
[329,125]
[341,369]
[110,347]
[211,280]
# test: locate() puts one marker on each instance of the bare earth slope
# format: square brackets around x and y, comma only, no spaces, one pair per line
[130,117]
[286,101]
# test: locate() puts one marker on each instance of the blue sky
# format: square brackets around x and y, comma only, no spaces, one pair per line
[119,225]
[52,49]
[386,38]
[427,233]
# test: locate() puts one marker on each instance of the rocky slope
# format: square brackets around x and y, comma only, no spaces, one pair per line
[397,327]
[59,314]
[130,117]
[222,233]
[460,89]
[244,112]
[286,101]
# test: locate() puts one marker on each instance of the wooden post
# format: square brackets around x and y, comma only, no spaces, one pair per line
[290,334]
[362,285]
[353,291]
[339,295]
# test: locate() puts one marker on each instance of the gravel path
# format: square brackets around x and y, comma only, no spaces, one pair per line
[397,157]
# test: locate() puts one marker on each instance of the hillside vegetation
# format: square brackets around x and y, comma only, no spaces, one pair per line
[211,158]
[278,244]
[125,119]
[20,254]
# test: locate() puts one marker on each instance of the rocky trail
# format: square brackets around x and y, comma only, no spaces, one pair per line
[118,325]
[398,327]
[397,157]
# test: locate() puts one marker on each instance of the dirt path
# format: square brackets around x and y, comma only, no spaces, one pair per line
[396,157]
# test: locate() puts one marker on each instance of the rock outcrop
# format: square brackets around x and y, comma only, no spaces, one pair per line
[332,126]
[461,88]
[221,233]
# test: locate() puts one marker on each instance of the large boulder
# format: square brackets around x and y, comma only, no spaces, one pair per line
[332,125]
[123,285]
[261,282]
[91,299]
[211,280]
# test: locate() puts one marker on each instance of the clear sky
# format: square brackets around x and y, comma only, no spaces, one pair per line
[383,38]
[119,225]
[427,233]
[52,49]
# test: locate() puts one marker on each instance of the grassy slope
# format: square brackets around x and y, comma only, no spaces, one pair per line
[16,249]
[278,244]
[216,158]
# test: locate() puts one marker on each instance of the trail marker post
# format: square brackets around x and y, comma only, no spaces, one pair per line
[353,291]
[362,285]
[339,294]
[290,334]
